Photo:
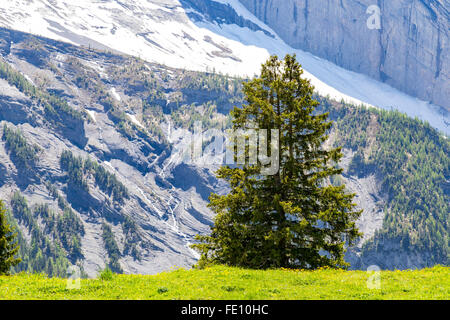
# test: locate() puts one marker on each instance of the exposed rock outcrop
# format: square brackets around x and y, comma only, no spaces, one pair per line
[410,51]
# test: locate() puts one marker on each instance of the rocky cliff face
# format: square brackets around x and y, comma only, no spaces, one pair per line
[134,127]
[123,129]
[223,35]
[130,118]
[409,51]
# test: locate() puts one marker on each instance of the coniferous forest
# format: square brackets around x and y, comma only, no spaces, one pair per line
[409,158]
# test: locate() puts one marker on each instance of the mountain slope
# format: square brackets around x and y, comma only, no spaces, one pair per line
[108,144]
[198,35]
[409,51]
[109,161]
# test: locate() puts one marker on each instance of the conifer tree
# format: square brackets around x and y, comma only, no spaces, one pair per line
[8,247]
[294,218]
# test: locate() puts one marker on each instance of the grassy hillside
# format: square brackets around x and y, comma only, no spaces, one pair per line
[231,283]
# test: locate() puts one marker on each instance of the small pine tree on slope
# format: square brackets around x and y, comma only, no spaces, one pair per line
[294,218]
[8,247]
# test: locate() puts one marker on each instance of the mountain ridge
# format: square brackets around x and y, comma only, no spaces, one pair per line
[409,51]
[202,35]
[133,115]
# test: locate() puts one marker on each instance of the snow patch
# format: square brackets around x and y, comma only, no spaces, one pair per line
[134,120]
[91,114]
[162,32]
[115,94]
[109,165]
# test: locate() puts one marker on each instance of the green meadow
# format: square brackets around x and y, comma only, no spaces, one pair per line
[220,282]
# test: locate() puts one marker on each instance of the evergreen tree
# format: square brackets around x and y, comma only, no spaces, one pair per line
[8,247]
[294,218]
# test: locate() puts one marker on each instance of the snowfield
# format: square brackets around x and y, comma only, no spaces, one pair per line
[164,31]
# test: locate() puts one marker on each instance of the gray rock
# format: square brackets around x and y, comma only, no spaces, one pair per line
[409,52]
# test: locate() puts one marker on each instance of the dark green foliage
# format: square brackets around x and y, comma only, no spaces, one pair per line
[162,290]
[414,163]
[106,274]
[69,228]
[40,254]
[129,228]
[410,158]
[8,244]
[52,104]
[112,248]
[79,170]
[23,153]
[66,227]
[20,208]
[17,80]
[291,218]
[75,169]
[107,182]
